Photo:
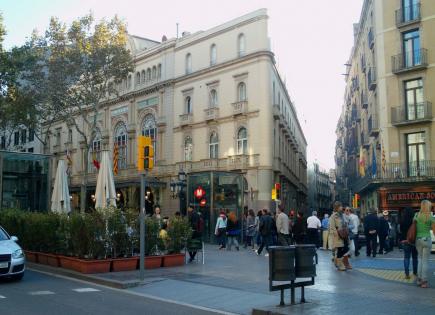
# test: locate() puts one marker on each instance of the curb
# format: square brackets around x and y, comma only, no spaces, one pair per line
[90,278]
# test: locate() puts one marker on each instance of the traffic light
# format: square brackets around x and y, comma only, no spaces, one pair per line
[148,154]
[140,153]
[356,201]
[278,190]
[273,194]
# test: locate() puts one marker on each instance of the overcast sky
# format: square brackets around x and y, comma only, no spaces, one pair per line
[311,39]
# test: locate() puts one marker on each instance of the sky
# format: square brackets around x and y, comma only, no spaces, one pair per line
[311,39]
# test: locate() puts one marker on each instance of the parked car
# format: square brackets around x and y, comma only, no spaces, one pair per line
[12,260]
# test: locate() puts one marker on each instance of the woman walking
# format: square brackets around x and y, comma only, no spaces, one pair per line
[408,248]
[424,222]
[233,230]
[337,226]
[257,228]
[221,229]
[250,229]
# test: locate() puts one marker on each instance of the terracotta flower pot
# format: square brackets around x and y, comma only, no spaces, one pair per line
[91,266]
[153,262]
[43,258]
[53,260]
[124,264]
[66,262]
[173,260]
[31,256]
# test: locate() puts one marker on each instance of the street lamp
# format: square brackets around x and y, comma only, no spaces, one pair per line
[177,190]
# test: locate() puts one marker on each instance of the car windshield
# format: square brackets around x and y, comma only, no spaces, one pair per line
[3,235]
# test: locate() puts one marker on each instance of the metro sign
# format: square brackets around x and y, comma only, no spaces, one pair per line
[199,192]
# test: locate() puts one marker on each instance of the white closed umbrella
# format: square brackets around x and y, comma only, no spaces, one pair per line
[60,201]
[105,193]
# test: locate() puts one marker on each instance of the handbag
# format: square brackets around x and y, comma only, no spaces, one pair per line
[412,232]
[343,233]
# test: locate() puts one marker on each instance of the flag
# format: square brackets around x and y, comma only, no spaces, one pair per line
[68,162]
[115,158]
[362,171]
[383,162]
[374,166]
[95,160]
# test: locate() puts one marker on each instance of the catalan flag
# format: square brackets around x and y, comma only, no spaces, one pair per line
[95,160]
[115,158]
[383,162]
[362,171]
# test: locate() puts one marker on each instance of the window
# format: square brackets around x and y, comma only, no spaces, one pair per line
[58,136]
[213,54]
[16,138]
[188,149]
[23,136]
[159,71]
[148,74]
[121,142]
[414,99]
[416,146]
[95,152]
[188,63]
[241,45]
[188,105]
[214,146]
[213,98]
[137,78]
[142,77]
[149,130]
[410,10]
[411,48]
[31,135]
[3,143]
[241,92]
[30,150]
[154,72]
[242,141]
[70,135]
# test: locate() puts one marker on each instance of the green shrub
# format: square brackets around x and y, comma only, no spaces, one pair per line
[179,234]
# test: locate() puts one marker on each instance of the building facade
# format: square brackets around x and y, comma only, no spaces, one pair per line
[384,148]
[212,101]
[320,195]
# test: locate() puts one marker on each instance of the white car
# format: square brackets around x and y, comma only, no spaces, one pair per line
[12,260]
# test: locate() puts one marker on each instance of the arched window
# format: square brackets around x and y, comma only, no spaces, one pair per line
[214,145]
[149,130]
[148,74]
[188,105]
[95,153]
[213,54]
[121,141]
[241,44]
[154,72]
[188,148]
[137,78]
[242,141]
[142,77]
[213,98]
[159,71]
[129,82]
[241,92]
[188,63]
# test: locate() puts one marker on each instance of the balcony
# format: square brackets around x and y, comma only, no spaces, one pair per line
[371,78]
[186,119]
[356,115]
[276,111]
[371,38]
[405,115]
[409,61]
[408,15]
[240,107]
[161,121]
[211,113]
[373,125]
[364,101]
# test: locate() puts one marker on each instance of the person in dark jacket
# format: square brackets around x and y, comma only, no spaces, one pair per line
[299,229]
[384,230]
[266,225]
[194,221]
[409,249]
[371,226]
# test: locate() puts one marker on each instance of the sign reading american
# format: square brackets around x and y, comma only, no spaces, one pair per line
[410,196]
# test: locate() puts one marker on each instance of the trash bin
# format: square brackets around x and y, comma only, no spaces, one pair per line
[305,261]
[282,263]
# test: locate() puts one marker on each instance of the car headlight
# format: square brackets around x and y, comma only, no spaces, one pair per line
[18,254]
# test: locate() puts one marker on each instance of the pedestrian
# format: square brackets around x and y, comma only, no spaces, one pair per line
[331,240]
[325,232]
[274,230]
[233,230]
[353,224]
[282,226]
[392,236]
[266,225]
[194,221]
[244,226]
[221,229]
[299,229]
[257,228]
[371,226]
[250,229]
[424,223]
[158,215]
[337,226]
[313,226]
[383,232]
[409,249]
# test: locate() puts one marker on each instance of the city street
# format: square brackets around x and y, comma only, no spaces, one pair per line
[39,293]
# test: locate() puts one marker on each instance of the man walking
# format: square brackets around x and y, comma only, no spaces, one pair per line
[194,221]
[313,225]
[371,226]
[383,231]
[266,223]
[325,232]
[353,218]
[282,226]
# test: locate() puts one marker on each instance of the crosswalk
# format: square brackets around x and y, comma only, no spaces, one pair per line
[46,292]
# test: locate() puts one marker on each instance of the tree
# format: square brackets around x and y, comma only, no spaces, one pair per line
[76,71]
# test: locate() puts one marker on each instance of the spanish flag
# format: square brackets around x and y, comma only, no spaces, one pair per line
[115,158]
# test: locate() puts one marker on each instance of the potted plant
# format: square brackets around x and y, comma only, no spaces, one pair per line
[179,233]
[153,244]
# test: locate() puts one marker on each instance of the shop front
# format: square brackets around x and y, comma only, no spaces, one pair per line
[396,199]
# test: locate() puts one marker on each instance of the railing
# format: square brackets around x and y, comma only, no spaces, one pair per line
[211,113]
[186,119]
[161,121]
[408,14]
[373,125]
[409,60]
[364,101]
[371,78]
[240,107]
[276,111]
[412,113]
[371,38]
[397,172]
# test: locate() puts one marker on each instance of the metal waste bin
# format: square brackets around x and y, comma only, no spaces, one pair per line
[282,263]
[305,260]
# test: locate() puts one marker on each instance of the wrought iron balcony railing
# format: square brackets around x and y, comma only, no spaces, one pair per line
[409,60]
[410,114]
[371,78]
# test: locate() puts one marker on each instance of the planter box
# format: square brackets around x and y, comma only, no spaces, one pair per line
[124,264]
[53,260]
[153,262]
[173,260]
[66,262]
[31,256]
[91,266]
[43,258]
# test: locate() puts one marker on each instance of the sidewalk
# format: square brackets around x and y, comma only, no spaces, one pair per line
[237,282]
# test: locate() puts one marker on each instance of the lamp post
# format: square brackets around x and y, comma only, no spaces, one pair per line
[178,191]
